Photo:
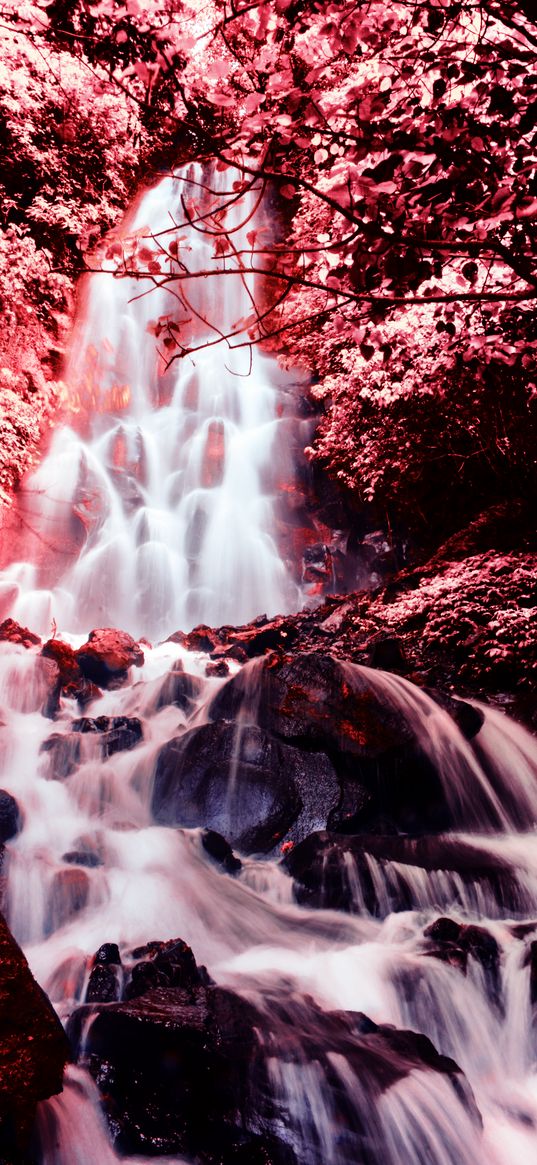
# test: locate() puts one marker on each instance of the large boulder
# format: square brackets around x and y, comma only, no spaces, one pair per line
[107,657]
[313,700]
[10,816]
[181,1071]
[33,1048]
[381,875]
[394,771]
[242,783]
[195,1069]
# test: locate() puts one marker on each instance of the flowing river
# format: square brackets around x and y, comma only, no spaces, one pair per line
[161,510]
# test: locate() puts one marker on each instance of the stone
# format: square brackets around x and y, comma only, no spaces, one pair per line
[455,941]
[10,816]
[118,733]
[63,750]
[12,632]
[33,1049]
[201,638]
[65,659]
[82,858]
[239,783]
[103,985]
[197,1070]
[108,953]
[331,869]
[165,964]
[180,688]
[71,681]
[218,668]
[317,565]
[308,699]
[107,656]
[258,637]
[220,851]
[68,895]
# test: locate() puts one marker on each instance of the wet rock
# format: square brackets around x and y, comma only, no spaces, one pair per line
[309,700]
[220,851]
[70,682]
[385,874]
[165,964]
[467,717]
[158,1057]
[260,636]
[104,984]
[318,703]
[179,688]
[64,753]
[201,638]
[218,668]
[107,657]
[12,632]
[108,953]
[110,734]
[118,733]
[455,941]
[239,783]
[443,930]
[373,728]
[33,1048]
[10,816]
[76,857]
[68,895]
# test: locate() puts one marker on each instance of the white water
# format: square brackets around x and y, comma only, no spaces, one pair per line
[173,491]
[156,568]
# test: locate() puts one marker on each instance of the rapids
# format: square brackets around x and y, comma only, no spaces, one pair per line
[166,546]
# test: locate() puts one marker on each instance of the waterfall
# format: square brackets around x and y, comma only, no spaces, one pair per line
[162,513]
[156,508]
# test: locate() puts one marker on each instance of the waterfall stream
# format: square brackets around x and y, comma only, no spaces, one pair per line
[160,513]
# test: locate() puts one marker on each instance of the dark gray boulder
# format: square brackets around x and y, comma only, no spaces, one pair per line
[238,782]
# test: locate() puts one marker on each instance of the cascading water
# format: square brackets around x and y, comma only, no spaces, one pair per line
[166,514]
[167,506]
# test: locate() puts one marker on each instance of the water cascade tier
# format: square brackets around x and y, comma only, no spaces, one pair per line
[286,909]
[159,507]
